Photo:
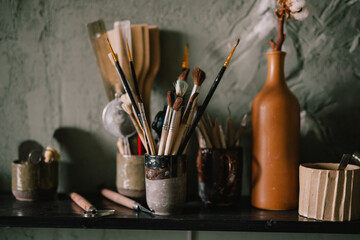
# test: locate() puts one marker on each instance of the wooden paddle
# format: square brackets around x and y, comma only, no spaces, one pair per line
[97,34]
[154,37]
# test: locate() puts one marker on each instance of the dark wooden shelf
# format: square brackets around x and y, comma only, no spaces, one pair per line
[63,213]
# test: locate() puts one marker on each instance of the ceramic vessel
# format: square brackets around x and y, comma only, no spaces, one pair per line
[130,175]
[329,194]
[165,181]
[276,130]
[34,181]
[219,176]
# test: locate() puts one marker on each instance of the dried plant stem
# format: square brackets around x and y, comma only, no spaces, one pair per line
[281,36]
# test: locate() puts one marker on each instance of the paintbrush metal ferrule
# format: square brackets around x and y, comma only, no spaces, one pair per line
[196,89]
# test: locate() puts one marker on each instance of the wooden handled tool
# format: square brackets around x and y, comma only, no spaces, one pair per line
[90,210]
[122,200]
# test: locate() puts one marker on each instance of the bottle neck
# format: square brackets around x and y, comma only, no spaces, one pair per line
[275,73]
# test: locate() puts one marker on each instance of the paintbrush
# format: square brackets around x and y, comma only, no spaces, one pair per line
[216,135]
[230,130]
[199,77]
[185,62]
[175,121]
[201,109]
[222,137]
[240,130]
[166,124]
[133,102]
[181,85]
[136,85]
[139,130]
[201,138]
[184,124]
[205,134]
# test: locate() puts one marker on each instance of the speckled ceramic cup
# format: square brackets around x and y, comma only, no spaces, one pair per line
[165,181]
[34,181]
[130,175]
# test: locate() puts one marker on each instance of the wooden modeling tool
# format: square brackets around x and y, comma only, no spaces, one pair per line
[122,34]
[98,36]
[145,59]
[138,49]
[154,38]
[90,210]
[124,201]
[201,109]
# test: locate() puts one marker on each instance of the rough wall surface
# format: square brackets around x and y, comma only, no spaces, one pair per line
[49,81]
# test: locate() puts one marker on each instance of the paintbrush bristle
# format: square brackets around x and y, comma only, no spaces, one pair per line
[237,42]
[170,99]
[198,76]
[178,103]
[180,88]
[184,74]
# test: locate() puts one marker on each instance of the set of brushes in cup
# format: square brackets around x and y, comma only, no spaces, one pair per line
[178,127]
[141,41]
[210,134]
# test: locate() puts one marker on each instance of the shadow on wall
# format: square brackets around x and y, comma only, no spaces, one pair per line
[87,164]
[332,128]
[172,50]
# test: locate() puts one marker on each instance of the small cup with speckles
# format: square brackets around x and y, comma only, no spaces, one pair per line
[165,181]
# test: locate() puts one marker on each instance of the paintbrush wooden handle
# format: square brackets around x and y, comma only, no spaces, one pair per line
[180,136]
[118,198]
[165,130]
[163,138]
[81,201]
[175,121]
[147,131]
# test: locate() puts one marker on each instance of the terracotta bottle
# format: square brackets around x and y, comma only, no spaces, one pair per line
[276,133]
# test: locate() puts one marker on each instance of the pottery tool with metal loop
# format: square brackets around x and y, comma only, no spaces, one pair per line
[207,99]
[89,209]
[122,200]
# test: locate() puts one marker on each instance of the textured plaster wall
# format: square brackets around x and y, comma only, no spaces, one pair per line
[50,83]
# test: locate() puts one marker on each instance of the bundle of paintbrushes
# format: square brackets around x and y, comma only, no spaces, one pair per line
[178,125]
[210,134]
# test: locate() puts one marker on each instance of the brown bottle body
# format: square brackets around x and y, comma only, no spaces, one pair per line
[276,133]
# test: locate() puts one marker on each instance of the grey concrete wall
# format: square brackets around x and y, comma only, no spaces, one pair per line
[49,81]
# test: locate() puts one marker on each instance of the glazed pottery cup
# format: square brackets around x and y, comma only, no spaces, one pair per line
[165,180]
[130,175]
[219,176]
[34,181]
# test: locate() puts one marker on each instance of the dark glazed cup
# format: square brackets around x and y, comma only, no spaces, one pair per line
[219,176]
[165,181]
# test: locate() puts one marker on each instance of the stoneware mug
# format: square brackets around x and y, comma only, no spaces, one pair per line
[165,180]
